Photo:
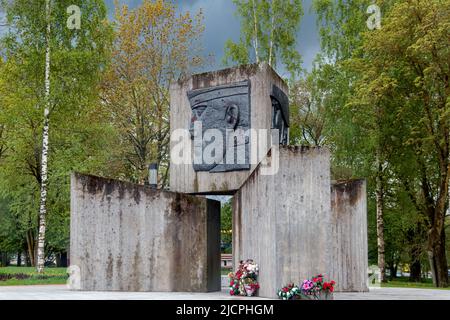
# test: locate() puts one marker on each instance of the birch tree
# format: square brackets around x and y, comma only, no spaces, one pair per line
[45,140]
[268,34]
[49,91]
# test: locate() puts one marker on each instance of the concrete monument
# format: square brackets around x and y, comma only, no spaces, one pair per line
[289,219]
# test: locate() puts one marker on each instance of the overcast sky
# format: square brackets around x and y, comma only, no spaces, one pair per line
[221,24]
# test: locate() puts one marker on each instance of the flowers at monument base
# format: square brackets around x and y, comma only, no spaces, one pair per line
[244,281]
[315,288]
[288,292]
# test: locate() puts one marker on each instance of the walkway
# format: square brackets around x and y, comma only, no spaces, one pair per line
[60,292]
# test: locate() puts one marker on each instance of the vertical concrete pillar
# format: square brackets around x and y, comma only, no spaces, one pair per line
[349,230]
[128,237]
[283,221]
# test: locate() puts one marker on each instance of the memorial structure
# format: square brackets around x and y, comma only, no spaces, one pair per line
[229,136]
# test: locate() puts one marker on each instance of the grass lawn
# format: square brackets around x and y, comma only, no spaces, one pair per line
[404,283]
[15,276]
[225,271]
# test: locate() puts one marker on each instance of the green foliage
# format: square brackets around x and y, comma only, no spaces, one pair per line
[383,93]
[154,46]
[78,58]
[268,34]
[226,224]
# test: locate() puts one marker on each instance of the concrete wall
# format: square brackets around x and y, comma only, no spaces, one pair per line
[131,238]
[283,221]
[349,241]
[183,178]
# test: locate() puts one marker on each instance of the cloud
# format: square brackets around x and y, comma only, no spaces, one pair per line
[222,24]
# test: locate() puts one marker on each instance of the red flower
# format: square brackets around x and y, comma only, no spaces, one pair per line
[333,283]
[331,289]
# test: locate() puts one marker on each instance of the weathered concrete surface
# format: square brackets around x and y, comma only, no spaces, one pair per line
[129,237]
[349,235]
[262,77]
[283,221]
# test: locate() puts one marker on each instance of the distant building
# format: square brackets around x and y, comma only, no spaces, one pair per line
[226,260]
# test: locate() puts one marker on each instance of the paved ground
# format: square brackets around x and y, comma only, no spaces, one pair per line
[60,292]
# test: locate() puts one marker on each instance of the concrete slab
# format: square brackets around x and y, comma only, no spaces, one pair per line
[60,292]
[128,237]
[283,221]
[349,235]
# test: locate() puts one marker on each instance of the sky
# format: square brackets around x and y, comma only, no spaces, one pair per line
[222,24]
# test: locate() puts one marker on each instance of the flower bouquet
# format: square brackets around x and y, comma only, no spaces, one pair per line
[315,288]
[289,292]
[244,281]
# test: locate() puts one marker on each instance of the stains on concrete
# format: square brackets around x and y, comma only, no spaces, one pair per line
[109,269]
[344,191]
[349,230]
[121,244]
[303,149]
[282,221]
[208,79]
[137,194]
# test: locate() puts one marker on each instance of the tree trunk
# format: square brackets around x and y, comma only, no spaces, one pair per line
[415,271]
[19,258]
[255,40]
[437,257]
[45,135]
[380,220]
[272,30]
[393,271]
[61,260]
[27,260]
[31,248]
[415,238]
[4,259]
